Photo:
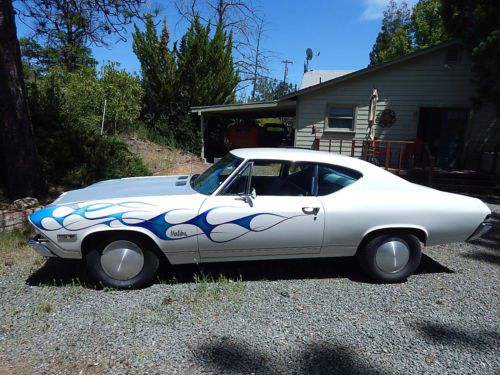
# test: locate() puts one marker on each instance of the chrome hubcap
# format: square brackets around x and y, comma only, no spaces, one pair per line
[122,260]
[392,256]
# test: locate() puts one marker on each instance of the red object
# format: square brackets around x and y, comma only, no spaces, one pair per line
[415,149]
[241,136]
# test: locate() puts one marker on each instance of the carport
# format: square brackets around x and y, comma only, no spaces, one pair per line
[215,119]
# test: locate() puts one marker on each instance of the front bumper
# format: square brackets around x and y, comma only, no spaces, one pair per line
[481,230]
[42,246]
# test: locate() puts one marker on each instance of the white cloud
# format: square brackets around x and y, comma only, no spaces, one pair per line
[374,9]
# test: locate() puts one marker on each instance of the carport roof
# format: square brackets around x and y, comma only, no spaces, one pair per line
[275,108]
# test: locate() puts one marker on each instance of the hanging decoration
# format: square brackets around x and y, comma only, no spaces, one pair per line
[386,118]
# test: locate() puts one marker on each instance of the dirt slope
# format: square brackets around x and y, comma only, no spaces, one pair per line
[162,160]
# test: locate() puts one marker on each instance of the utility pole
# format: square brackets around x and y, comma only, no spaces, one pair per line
[286,62]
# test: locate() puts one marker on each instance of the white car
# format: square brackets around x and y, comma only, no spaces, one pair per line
[255,204]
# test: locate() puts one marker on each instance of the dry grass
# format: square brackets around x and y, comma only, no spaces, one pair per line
[15,252]
[162,160]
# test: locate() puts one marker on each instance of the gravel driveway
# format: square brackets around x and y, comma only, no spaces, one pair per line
[286,317]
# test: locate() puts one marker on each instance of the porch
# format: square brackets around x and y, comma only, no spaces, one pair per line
[413,160]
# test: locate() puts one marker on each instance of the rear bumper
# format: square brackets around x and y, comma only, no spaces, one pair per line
[42,246]
[481,230]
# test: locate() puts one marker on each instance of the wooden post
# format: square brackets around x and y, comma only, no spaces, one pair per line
[387,155]
[401,152]
[353,144]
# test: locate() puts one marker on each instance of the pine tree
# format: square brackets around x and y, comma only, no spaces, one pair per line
[159,80]
[199,71]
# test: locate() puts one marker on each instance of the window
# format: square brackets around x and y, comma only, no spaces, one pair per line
[284,178]
[275,178]
[240,183]
[213,177]
[340,118]
[333,178]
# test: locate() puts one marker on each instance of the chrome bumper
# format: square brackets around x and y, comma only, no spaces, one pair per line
[481,230]
[42,246]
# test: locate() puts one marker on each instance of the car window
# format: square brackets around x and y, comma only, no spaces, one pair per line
[276,178]
[213,177]
[239,185]
[334,178]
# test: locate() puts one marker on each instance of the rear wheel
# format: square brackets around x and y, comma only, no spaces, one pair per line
[122,261]
[390,257]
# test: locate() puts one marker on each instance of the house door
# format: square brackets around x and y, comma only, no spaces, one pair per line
[443,129]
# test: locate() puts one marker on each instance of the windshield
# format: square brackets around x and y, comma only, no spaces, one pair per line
[213,177]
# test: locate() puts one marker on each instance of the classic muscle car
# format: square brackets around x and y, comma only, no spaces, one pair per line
[255,204]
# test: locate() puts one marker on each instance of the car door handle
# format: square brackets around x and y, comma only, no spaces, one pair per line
[310,210]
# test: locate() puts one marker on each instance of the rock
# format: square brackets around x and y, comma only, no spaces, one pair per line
[24,203]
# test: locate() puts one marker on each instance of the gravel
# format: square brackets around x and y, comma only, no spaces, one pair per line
[286,317]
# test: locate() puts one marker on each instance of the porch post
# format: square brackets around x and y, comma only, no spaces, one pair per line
[202,128]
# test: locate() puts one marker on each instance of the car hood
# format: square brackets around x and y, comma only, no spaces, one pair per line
[128,188]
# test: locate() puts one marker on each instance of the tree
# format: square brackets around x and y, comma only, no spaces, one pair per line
[43,58]
[206,75]
[404,32]
[123,93]
[240,19]
[199,71]
[71,27]
[394,39]
[20,174]
[268,89]
[427,24]
[66,109]
[477,24]
[257,66]
[158,68]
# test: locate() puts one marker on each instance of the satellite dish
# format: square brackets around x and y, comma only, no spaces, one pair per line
[309,54]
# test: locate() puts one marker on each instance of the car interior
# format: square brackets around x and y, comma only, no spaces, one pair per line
[275,178]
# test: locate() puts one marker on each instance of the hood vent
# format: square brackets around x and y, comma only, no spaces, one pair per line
[180,183]
[183,178]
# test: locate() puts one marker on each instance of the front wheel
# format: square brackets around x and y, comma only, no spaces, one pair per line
[122,262]
[390,258]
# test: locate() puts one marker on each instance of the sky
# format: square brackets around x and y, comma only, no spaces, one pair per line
[341,31]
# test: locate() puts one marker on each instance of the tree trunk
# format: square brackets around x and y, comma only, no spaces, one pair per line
[19,165]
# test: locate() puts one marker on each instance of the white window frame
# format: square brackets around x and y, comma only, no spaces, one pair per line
[341,130]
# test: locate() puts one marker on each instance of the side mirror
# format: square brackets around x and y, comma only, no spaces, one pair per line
[248,198]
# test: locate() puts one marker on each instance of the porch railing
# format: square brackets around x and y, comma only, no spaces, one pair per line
[399,157]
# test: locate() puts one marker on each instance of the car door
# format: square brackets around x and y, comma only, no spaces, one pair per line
[269,210]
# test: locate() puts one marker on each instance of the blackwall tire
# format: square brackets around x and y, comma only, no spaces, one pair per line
[122,261]
[390,258]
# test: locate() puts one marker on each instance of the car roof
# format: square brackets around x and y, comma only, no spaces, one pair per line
[297,154]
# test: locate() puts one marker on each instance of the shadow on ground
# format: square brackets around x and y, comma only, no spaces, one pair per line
[60,272]
[458,337]
[230,356]
[489,244]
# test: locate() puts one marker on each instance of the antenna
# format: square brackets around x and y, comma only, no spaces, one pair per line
[286,62]
[309,56]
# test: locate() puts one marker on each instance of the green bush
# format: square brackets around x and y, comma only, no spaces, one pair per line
[99,158]
[66,112]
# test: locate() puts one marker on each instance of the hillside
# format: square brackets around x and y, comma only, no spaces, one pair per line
[163,160]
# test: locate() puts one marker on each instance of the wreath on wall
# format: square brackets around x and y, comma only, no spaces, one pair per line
[386,118]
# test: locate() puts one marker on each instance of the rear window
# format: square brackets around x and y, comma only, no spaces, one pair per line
[334,178]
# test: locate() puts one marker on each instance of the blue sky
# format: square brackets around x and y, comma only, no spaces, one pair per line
[343,31]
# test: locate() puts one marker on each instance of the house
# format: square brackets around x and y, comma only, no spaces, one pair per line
[423,99]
